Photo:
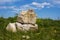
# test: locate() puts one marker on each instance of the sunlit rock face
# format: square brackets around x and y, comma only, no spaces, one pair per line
[27,17]
[26,27]
[11,27]
[26,21]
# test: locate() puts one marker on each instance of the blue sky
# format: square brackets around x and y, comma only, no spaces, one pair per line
[43,8]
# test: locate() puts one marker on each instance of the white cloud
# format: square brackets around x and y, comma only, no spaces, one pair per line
[27,6]
[41,5]
[33,5]
[17,9]
[7,7]
[11,8]
[8,1]
[56,1]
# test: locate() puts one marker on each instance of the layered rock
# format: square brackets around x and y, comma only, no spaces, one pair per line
[26,27]
[25,21]
[27,17]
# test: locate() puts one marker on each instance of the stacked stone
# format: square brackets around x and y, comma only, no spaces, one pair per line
[27,20]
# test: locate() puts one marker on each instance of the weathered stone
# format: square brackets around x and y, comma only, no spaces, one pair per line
[19,26]
[11,27]
[26,27]
[25,21]
[20,17]
[27,17]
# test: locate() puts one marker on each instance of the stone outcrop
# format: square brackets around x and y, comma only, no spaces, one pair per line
[26,21]
[27,17]
[11,27]
[26,27]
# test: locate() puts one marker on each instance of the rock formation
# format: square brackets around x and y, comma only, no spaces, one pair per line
[26,21]
[27,17]
[11,27]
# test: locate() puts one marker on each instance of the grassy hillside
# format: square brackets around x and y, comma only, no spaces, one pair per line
[48,30]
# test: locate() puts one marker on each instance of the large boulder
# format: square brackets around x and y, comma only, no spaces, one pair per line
[26,27]
[19,26]
[11,27]
[25,21]
[27,17]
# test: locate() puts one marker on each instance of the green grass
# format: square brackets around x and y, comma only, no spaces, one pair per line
[47,30]
[50,33]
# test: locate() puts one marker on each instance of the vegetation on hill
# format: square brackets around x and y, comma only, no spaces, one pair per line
[48,29]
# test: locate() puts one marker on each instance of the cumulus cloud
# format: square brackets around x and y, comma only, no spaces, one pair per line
[17,9]
[41,5]
[33,5]
[27,6]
